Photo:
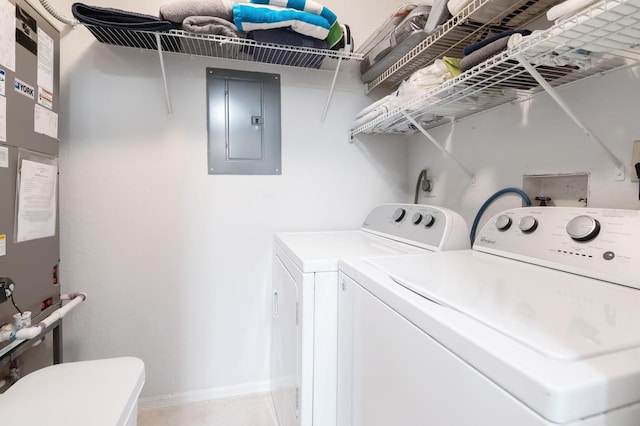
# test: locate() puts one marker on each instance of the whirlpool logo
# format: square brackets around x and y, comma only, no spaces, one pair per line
[486,241]
[24,88]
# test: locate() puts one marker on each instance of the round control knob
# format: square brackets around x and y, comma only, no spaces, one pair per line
[503,222]
[528,224]
[399,214]
[583,228]
[416,218]
[429,220]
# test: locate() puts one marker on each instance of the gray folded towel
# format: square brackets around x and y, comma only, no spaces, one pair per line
[178,11]
[483,54]
[210,25]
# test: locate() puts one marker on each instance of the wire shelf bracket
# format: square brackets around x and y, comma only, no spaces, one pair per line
[439,146]
[619,165]
[221,47]
[164,77]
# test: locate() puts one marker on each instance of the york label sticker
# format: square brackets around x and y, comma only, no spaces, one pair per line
[25,89]
[3,79]
[3,245]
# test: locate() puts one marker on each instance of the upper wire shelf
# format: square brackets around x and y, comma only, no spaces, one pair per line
[473,23]
[216,46]
[608,30]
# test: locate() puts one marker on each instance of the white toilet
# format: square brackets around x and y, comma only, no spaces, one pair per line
[97,393]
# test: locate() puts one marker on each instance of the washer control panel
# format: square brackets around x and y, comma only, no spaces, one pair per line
[431,227]
[599,243]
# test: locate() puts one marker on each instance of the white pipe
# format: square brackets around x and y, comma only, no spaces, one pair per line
[59,313]
[32,332]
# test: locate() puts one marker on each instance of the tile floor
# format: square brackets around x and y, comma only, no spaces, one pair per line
[251,410]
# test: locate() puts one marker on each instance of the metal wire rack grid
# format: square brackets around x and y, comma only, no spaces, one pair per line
[461,30]
[502,79]
[215,46]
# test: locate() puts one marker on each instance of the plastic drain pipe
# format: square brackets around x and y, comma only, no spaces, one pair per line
[32,332]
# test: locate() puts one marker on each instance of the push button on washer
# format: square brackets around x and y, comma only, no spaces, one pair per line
[608,255]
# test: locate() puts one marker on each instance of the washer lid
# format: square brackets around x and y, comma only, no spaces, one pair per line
[320,251]
[102,392]
[561,315]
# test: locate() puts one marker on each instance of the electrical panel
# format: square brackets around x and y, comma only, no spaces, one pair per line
[29,107]
[243,119]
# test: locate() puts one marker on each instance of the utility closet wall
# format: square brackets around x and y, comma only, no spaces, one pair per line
[177,263]
[533,138]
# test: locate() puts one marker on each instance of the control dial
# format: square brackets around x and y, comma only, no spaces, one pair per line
[528,224]
[416,218]
[503,222]
[429,220]
[583,228]
[399,214]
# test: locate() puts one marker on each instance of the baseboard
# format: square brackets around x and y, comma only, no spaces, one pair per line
[204,395]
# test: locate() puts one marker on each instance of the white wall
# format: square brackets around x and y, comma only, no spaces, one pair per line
[536,137]
[176,262]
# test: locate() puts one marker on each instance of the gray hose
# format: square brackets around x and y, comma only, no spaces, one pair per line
[69,21]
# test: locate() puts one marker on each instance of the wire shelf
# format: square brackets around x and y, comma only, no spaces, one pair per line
[473,23]
[215,46]
[609,30]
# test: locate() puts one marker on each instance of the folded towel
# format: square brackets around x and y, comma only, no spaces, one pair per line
[453,65]
[567,8]
[210,25]
[483,54]
[547,53]
[99,18]
[336,36]
[370,116]
[288,38]
[468,50]
[309,6]
[249,17]
[119,19]
[178,11]
[429,77]
[456,6]
[380,102]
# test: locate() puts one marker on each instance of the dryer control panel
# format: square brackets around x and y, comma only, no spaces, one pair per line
[598,243]
[433,228]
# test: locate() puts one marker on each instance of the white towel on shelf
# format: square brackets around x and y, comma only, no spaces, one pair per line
[552,54]
[567,8]
[456,6]
[370,116]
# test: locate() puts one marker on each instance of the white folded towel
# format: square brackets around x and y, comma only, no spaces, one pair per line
[568,8]
[456,6]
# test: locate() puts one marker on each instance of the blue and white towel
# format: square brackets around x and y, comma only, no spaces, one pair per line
[309,6]
[249,17]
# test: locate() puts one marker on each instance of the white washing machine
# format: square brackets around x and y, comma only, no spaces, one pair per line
[538,324]
[305,299]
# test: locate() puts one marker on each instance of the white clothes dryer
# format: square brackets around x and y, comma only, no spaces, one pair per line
[305,299]
[537,325]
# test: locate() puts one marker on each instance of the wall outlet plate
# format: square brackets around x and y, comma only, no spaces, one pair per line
[635,158]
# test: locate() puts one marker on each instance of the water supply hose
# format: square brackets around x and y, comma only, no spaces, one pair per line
[486,204]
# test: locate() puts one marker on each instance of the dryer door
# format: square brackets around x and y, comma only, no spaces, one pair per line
[285,346]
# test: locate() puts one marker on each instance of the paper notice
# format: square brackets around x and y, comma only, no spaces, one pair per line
[45,122]
[4,157]
[36,201]
[8,34]
[3,244]
[45,61]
